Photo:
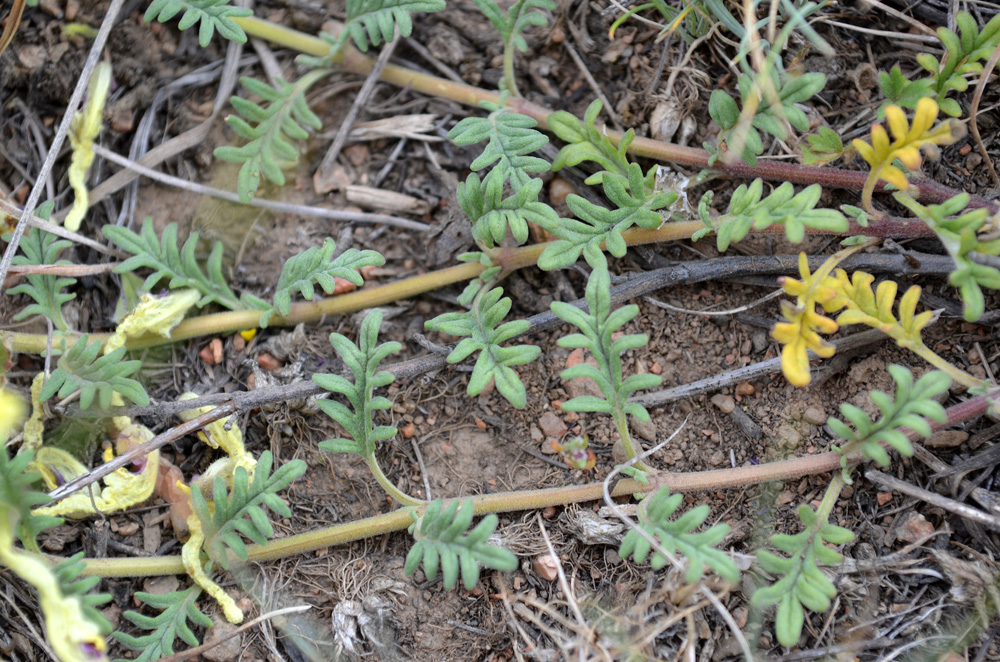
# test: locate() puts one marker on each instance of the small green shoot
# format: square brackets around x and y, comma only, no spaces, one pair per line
[180,266]
[912,407]
[510,24]
[211,15]
[377,20]
[493,216]
[441,541]
[585,142]
[484,334]
[511,137]
[795,211]
[81,369]
[315,265]
[41,247]
[822,147]
[177,608]
[678,535]
[68,575]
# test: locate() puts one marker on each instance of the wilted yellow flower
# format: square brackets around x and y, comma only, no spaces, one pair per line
[153,315]
[191,557]
[122,488]
[73,638]
[906,144]
[12,412]
[224,434]
[84,128]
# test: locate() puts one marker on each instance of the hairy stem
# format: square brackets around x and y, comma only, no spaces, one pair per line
[387,485]
[352,60]
[529,500]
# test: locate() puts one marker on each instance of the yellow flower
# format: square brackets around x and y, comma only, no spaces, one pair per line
[801,332]
[907,141]
[73,638]
[153,315]
[84,128]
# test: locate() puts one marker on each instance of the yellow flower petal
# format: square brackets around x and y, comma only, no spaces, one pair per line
[217,435]
[896,119]
[191,558]
[12,412]
[156,315]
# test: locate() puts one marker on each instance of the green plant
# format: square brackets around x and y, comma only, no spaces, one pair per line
[81,369]
[596,329]
[510,24]
[40,247]
[585,142]
[914,405]
[769,116]
[68,573]
[440,539]
[362,360]
[964,55]
[315,265]
[677,535]
[177,608]
[794,211]
[958,230]
[210,15]
[482,332]
[179,266]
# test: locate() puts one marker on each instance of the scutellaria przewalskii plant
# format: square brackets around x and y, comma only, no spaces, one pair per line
[231,502]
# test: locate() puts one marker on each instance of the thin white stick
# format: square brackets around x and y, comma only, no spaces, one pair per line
[270,205]
[61,133]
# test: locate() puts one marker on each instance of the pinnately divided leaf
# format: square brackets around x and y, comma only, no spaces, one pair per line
[315,265]
[596,329]
[80,368]
[484,334]
[801,584]
[211,14]
[17,494]
[597,225]
[677,535]
[40,247]
[269,128]
[362,359]
[68,575]
[179,266]
[783,206]
[177,609]
[377,19]
[493,216]
[514,21]
[511,137]
[441,541]
[913,406]
[239,511]
[585,142]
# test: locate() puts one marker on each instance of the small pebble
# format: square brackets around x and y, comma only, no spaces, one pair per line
[408,430]
[545,566]
[212,352]
[947,439]
[267,362]
[744,389]
[552,425]
[724,402]
[815,415]
[559,190]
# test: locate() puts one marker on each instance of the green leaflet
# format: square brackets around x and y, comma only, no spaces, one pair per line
[514,21]
[362,359]
[211,14]
[790,89]
[493,216]
[484,334]
[377,19]
[315,265]
[965,53]
[40,247]
[67,574]
[585,142]
[958,231]
[180,266]
[80,368]
[441,541]
[240,511]
[597,225]
[801,584]
[18,496]
[269,129]
[913,405]
[795,211]
[596,329]
[511,138]
[677,536]
[177,609]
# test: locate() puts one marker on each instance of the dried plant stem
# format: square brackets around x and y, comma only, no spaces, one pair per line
[352,60]
[524,500]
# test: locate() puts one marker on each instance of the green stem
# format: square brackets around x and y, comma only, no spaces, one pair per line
[387,485]
[957,375]
[508,67]
[621,422]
